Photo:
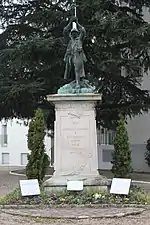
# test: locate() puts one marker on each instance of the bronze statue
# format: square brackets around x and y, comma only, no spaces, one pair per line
[75,57]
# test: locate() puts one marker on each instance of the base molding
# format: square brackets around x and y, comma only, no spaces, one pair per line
[90,182]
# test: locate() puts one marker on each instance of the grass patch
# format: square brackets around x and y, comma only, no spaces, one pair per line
[136,196]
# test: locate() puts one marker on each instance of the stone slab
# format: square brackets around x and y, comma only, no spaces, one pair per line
[75,213]
[74,97]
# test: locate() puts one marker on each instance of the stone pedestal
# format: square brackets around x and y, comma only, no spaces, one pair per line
[75,141]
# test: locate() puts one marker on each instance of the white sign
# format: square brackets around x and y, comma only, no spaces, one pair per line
[29,187]
[75,185]
[120,186]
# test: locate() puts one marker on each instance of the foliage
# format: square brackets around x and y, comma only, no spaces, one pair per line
[147,154]
[122,154]
[76,198]
[32,51]
[38,160]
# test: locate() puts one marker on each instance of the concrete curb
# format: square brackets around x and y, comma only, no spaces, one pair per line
[95,206]
[141,182]
[23,175]
[136,181]
[67,215]
[17,174]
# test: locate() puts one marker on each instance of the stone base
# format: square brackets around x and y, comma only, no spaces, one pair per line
[59,183]
[75,141]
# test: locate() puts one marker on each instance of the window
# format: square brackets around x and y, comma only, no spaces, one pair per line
[5,158]
[105,136]
[24,159]
[107,155]
[4,136]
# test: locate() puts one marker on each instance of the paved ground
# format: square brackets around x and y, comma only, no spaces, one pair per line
[8,182]
[143,219]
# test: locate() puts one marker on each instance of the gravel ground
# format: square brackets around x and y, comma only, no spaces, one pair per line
[143,219]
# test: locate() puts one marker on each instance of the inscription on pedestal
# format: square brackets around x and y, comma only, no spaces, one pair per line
[75,133]
[74,141]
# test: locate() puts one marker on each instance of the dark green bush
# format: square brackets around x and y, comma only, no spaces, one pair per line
[38,160]
[121,158]
[147,153]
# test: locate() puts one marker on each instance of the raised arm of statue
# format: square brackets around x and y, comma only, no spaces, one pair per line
[67,29]
[82,31]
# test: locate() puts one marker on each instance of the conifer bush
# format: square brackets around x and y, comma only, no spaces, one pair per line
[121,157]
[147,154]
[38,160]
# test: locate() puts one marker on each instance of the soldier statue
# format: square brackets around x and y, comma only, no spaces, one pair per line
[75,57]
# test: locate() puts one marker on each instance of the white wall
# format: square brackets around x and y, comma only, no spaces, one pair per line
[147,15]
[139,129]
[139,133]
[139,126]
[17,142]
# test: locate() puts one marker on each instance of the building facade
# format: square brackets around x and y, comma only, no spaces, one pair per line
[13,143]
